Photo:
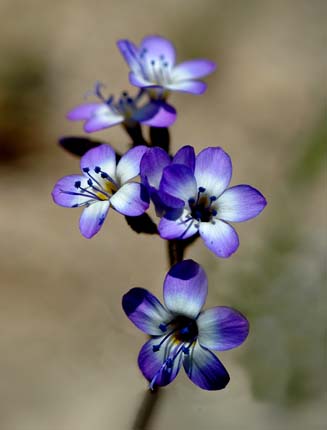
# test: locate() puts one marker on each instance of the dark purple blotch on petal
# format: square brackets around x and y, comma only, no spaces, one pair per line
[185,270]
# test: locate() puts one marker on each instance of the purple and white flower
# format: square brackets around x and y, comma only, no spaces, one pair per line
[103,184]
[152,165]
[201,203]
[152,65]
[127,111]
[181,333]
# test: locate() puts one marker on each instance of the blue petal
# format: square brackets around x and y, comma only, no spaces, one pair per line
[204,369]
[192,87]
[179,181]
[180,228]
[128,166]
[83,112]
[102,156]
[186,156]
[131,199]
[240,203]
[157,47]
[152,164]
[129,51]
[145,311]
[219,237]
[154,365]
[185,288]
[213,170]
[66,194]
[222,328]
[93,217]
[193,69]
[164,117]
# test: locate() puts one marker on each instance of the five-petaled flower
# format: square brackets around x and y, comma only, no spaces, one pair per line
[182,334]
[103,184]
[153,66]
[127,111]
[200,201]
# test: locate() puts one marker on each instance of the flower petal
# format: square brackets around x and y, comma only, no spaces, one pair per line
[186,156]
[219,237]
[129,51]
[153,364]
[137,79]
[101,119]
[145,311]
[165,116]
[192,87]
[213,170]
[222,328]
[131,199]
[185,288]
[93,217]
[83,112]
[240,203]
[193,69]
[102,156]
[157,46]
[179,181]
[204,369]
[66,194]
[129,165]
[152,165]
[181,228]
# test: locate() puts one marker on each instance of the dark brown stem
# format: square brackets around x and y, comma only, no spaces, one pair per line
[146,411]
[175,251]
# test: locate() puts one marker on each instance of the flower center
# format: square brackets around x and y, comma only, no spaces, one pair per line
[201,209]
[182,333]
[154,69]
[99,186]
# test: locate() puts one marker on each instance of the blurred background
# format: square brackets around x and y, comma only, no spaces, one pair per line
[67,351]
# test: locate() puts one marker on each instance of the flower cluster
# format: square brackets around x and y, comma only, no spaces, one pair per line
[192,197]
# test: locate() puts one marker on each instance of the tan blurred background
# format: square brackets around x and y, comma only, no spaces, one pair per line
[67,351]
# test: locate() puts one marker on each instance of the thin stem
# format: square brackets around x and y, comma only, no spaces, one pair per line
[146,411]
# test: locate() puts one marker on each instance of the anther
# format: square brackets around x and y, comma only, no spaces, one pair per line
[86,169]
[155,348]
[184,330]
[104,175]
[97,169]
[77,184]
[186,350]
[191,201]
[214,212]
[90,182]
[201,190]
[163,327]
[213,198]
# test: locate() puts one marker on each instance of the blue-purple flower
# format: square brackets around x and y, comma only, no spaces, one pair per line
[152,64]
[127,110]
[198,200]
[181,333]
[152,165]
[103,184]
